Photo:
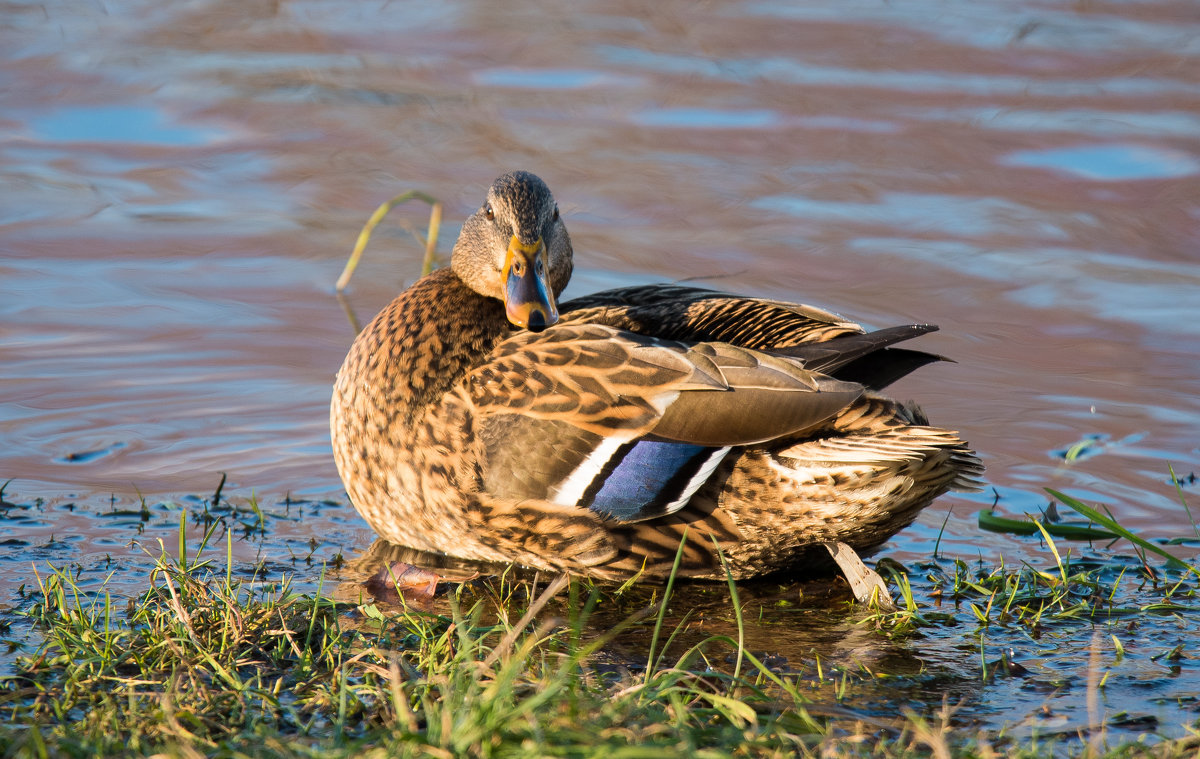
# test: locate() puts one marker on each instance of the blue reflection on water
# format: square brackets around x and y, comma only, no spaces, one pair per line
[1078,121]
[1109,162]
[790,71]
[116,124]
[550,79]
[922,212]
[707,118]
[1122,288]
[996,24]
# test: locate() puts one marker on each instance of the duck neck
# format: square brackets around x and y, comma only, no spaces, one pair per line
[424,342]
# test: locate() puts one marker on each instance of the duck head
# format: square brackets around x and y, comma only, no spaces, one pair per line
[515,248]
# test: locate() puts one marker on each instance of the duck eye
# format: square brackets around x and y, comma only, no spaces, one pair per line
[555,212]
[488,212]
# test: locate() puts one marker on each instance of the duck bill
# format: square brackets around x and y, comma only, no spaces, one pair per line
[528,297]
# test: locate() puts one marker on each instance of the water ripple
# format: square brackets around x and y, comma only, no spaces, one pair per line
[1110,163]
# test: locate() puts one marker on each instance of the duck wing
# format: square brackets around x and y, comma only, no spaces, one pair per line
[821,340]
[629,425]
[678,312]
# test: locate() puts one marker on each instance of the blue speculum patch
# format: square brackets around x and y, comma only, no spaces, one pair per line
[642,479]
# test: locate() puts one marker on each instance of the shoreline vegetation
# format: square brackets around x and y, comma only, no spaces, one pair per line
[216,658]
[213,659]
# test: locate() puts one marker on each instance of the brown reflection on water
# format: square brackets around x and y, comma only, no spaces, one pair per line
[181,185]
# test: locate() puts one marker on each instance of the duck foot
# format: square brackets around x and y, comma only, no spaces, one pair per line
[400,582]
[865,583]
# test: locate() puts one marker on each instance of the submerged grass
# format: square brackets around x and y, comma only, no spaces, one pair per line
[208,663]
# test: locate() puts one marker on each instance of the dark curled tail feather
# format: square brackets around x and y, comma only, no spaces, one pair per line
[866,358]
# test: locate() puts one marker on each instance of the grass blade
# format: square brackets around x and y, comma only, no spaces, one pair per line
[651,659]
[435,220]
[1112,525]
[988,520]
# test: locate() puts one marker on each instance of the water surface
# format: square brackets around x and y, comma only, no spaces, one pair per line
[180,185]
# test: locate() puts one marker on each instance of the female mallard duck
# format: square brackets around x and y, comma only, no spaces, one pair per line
[476,417]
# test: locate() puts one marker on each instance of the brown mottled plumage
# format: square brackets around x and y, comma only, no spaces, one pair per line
[590,437]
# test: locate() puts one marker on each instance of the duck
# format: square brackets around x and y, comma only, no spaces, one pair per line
[630,433]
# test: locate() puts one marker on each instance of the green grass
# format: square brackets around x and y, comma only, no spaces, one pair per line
[207,663]
[204,663]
